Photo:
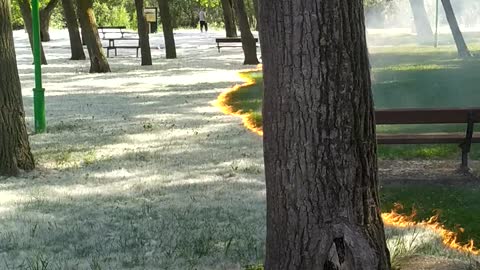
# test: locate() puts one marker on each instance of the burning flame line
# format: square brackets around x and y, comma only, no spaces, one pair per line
[224,100]
[394,219]
[449,238]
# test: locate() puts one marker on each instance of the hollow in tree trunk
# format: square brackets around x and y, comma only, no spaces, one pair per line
[76,47]
[422,24]
[26,11]
[15,151]
[45,16]
[98,61]
[462,48]
[248,41]
[229,18]
[323,207]
[166,19]
[143,34]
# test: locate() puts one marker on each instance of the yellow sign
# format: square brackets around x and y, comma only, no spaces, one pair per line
[150,14]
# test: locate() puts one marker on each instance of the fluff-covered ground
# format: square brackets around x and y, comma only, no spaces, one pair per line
[139,171]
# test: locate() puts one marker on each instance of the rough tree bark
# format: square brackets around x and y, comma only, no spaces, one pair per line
[422,24]
[229,18]
[70,15]
[248,41]
[45,15]
[143,34]
[26,11]
[319,138]
[462,48]
[98,61]
[15,151]
[166,19]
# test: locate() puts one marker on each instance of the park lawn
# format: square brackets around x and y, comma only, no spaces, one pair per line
[458,206]
[404,77]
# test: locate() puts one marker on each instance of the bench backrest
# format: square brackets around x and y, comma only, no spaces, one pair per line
[112,27]
[234,39]
[427,116]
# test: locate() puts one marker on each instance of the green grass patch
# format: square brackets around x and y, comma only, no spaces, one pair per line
[405,77]
[458,206]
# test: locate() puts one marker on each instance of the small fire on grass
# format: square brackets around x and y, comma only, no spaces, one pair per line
[223,101]
[449,238]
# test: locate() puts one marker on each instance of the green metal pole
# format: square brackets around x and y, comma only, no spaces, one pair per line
[38,91]
[436,25]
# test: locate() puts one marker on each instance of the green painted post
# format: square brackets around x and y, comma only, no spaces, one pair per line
[38,91]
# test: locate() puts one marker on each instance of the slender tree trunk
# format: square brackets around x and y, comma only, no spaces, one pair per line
[248,41]
[72,24]
[255,8]
[422,24]
[26,11]
[319,138]
[143,34]
[98,61]
[462,48]
[15,151]
[166,19]
[229,19]
[82,33]
[45,16]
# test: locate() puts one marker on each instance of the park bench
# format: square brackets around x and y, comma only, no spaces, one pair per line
[113,46]
[230,41]
[468,116]
[104,30]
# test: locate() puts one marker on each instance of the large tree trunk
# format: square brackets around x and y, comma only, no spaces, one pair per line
[248,41]
[229,18]
[143,34]
[26,11]
[166,19]
[98,61]
[45,15]
[72,24]
[422,24]
[15,151]
[319,138]
[462,48]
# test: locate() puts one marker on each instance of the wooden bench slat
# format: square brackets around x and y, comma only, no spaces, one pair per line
[230,40]
[426,138]
[426,116]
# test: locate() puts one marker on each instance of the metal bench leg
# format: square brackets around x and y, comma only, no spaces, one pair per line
[218,46]
[115,51]
[466,146]
[137,52]
[108,52]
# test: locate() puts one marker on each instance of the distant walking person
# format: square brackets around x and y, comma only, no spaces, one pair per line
[203,23]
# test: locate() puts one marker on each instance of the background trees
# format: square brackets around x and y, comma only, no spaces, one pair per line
[71,20]
[98,61]
[319,138]
[143,34]
[249,44]
[15,151]
[166,19]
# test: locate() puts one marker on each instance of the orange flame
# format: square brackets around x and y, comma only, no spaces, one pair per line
[449,238]
[223,101]
[394,219]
